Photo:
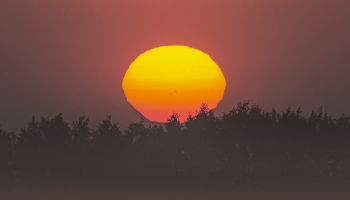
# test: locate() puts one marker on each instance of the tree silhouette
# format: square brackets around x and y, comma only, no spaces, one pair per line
[30,149]
[57,136]
[106,143]
[56,132]
[81,132]
[7,142]
[81,149]
[245,144]
[173,125]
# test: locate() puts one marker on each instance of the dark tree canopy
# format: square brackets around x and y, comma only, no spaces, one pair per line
[244,144]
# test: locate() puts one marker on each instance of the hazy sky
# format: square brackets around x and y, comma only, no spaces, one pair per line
[70,56]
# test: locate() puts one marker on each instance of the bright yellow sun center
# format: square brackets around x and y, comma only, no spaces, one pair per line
[172,79]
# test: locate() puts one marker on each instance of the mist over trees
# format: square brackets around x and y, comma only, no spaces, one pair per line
[246,144]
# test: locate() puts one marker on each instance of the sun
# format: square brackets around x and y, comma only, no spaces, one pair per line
[173,79]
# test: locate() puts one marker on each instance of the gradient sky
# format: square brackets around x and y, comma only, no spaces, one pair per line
[70,56]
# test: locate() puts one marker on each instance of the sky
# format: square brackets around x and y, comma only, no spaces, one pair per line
[70,56]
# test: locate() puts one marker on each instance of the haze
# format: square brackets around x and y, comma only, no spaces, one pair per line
[70,56]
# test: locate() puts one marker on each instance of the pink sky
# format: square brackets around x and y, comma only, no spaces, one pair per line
[70,56]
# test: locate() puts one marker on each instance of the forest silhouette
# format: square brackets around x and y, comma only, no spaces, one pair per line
[245,145]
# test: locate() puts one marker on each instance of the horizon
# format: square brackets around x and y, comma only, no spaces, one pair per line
[151,123]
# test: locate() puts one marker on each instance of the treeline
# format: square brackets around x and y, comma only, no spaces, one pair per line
[244,145]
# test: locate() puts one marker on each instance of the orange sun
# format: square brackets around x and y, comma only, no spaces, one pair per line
[173,79]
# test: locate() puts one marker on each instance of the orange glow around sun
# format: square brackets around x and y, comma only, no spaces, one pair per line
[173,79]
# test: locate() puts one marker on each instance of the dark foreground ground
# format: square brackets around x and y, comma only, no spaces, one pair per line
[66,190]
